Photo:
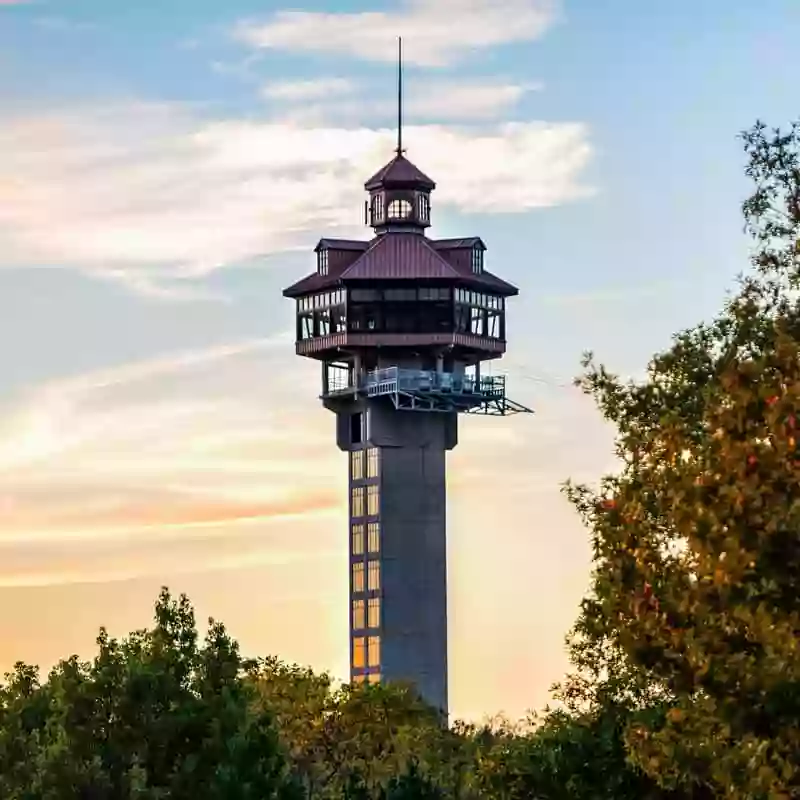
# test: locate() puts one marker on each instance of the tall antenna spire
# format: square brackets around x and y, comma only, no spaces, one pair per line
[399,95]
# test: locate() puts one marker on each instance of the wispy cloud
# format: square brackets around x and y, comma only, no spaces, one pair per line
[316,103]
[307,90]
[148,194]
[436,33]
[466,100]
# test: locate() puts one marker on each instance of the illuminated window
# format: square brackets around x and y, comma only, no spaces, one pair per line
[373,462]
[322,261]
[373,576]
[357,509]
[358,615]
[374,677]
[356,464]
[358,576]
[357,531]
[400,209]
[374,612]
[373,537]
[374,651]
[360,652]
[358,679]
[373,500]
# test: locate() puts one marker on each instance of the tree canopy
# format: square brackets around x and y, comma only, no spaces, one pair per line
[693,619]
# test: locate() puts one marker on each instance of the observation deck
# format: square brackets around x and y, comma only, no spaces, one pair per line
[426,390]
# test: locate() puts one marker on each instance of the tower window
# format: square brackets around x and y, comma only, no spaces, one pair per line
[377,209]
[358,577]
[373,462]
[374,575]
[373,651]
[357,502]
[373,537]
[373,678]
[373,500]
[358,615]
[400,209]
[356,428]
[359,652]
[356,464]
[423,207]
[322,261]
[357,535]
[374,612]
[477,259]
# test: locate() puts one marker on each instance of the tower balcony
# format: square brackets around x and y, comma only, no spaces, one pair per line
[426,390]
[322,346]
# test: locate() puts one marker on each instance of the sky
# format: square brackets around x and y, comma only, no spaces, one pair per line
[167,168]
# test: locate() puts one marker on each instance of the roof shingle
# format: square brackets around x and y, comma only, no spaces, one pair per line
[403,256]
[399,172]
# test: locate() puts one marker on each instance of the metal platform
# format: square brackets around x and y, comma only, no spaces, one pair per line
[423,390]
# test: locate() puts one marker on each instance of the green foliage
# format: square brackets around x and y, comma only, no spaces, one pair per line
[153,716]
[693,618]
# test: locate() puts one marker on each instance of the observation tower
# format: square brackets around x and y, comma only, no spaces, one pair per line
[401,325]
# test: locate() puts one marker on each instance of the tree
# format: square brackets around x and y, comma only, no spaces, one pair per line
[695,609]
[350,740]
[153,716]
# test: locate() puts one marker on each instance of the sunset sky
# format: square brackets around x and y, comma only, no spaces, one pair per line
[167,167]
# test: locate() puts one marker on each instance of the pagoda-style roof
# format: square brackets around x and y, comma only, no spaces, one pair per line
[400,256]
[399,172]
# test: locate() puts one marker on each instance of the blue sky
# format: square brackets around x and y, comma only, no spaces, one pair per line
[166,170]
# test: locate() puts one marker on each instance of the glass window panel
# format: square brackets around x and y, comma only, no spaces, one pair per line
[358,576]
[358,679]
[356,464]
[374,651]
[373,576]
[374,677]
[373,537]
[373,462]
[358,615]
[359,652]
[374,612]
[373,500]
[357,498]
[357,531]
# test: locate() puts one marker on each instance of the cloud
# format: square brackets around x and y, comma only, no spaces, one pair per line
[202,454]
[425,100]
[307,90]
[434,33]
[452,100]
[148,194]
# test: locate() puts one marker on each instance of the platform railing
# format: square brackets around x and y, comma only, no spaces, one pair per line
[412,380]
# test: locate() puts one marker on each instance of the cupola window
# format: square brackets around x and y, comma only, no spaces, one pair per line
[377,209]
[423,207]
[322,261]
[477,259]
[400,209]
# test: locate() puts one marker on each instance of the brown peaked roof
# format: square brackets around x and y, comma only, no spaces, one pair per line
[341,244]
[457,244]
[311,283]
[399,172]
[400,256]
